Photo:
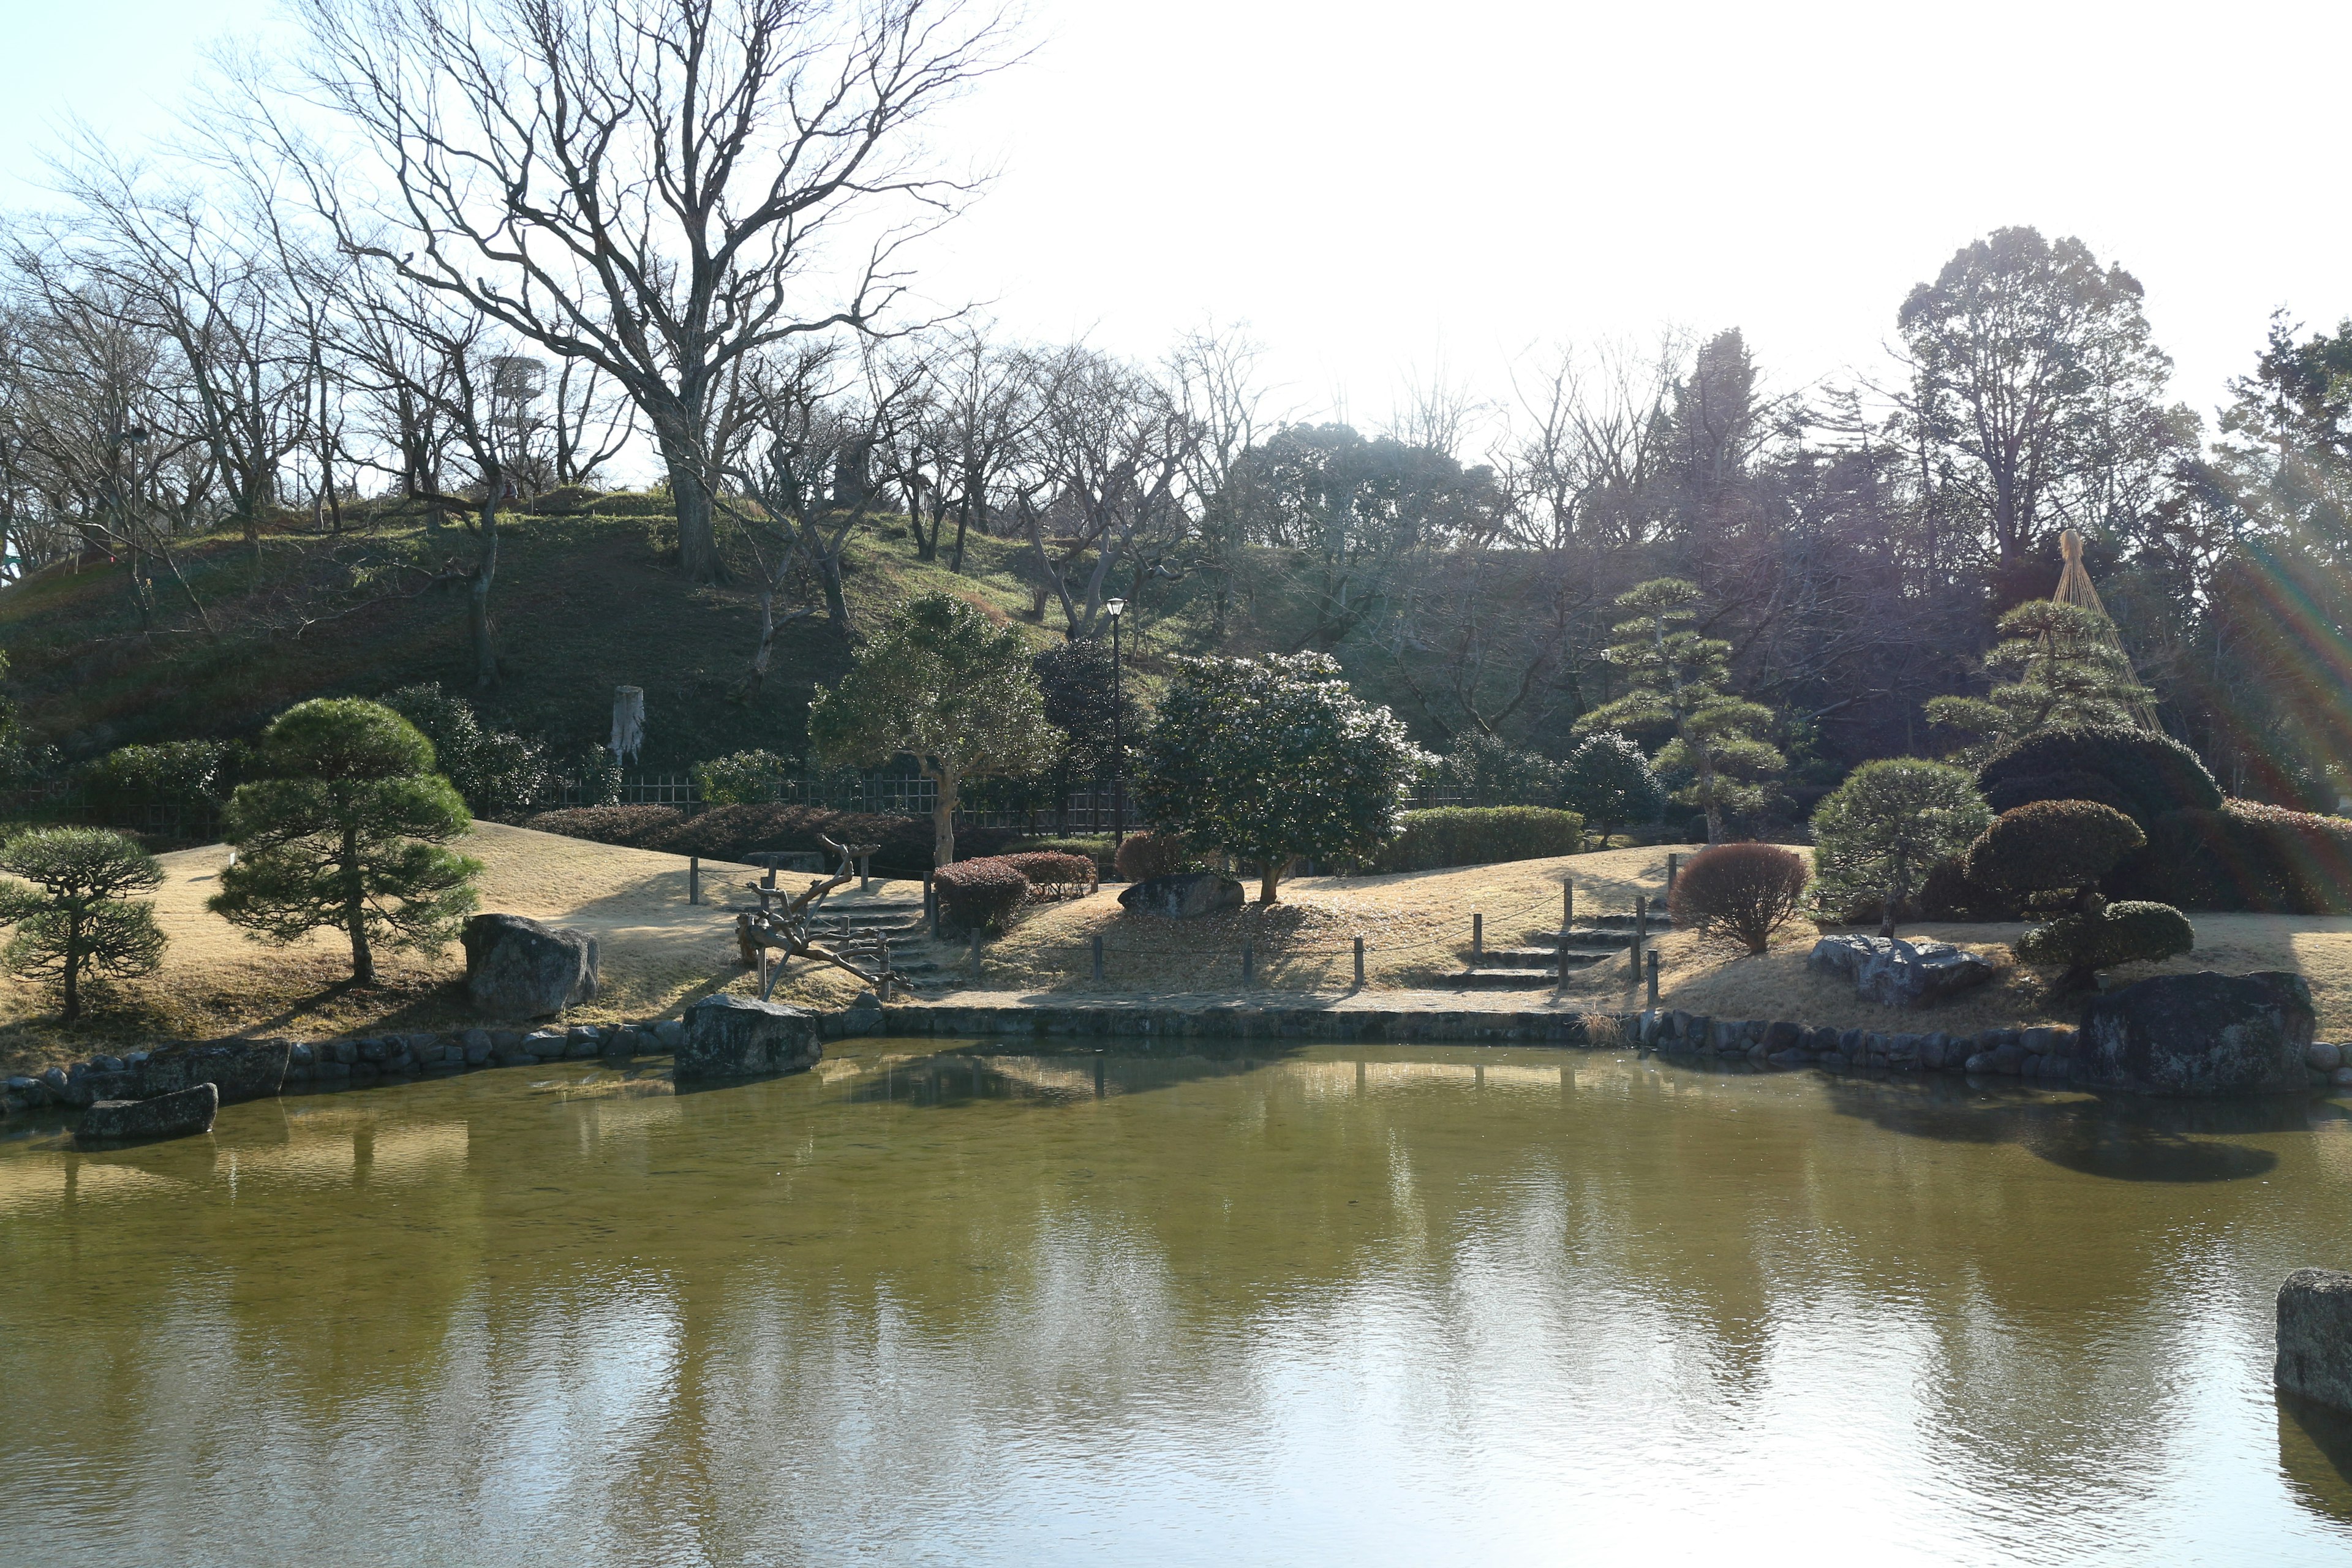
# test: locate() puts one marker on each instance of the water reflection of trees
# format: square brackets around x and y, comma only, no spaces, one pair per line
[914,1264]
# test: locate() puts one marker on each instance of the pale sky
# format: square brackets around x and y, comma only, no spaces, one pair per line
[1380,190]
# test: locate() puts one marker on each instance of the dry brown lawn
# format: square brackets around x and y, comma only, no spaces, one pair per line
[657,951]
[1416,928]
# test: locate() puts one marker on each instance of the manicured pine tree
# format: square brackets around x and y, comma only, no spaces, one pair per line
[73,921]
[1877,835]
[1679,679]
[2064,669]
[345,832]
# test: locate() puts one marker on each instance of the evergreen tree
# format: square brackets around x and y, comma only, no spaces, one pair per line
[942,683]
[345,831]
[73,921]
[2066,669]
[1609,783]
[1877,833]
[1678,679]
[1274,759]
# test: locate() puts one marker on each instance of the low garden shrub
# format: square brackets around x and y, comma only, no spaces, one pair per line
[1746,891]
[978,894]
[745,778]
[2247,856]
[1095,847]
[2051,851]
[2155,774]
[632,826]
[1053,874]
[1479,836]
[739,832]
[2115,933]
[187,776]
[1144,856]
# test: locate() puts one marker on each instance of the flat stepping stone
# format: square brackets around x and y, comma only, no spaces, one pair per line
[1502,979]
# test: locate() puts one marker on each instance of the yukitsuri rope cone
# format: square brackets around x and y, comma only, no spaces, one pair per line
[2074,587]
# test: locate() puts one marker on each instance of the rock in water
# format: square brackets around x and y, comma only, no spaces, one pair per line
[737,1037]
[517,968]
[2315,1336]
[1185,896]
[2199,1034]
[1895,971]
[177,1115]
[240,1069]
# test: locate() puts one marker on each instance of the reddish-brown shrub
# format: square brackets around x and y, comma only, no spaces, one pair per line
[1143,856]
[1053,874]
[635,826]
[738,832]
[979,894]
[1743,890]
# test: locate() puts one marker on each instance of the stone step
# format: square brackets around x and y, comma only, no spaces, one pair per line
[1590,937]
[1541,957]
[1501,979]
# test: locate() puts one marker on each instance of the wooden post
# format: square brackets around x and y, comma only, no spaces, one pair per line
[694,879]
[1567,905]
[1097,959]
[1674,864]
[864,873]
[1653,977]
[1249,961]
[1477,938]
[763,973]
[1640,931]
[768,878]
[975,955]
[930,906]
[1360,963]
[885,965]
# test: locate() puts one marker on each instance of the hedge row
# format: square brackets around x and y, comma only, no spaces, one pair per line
[739,832]
[1479,836]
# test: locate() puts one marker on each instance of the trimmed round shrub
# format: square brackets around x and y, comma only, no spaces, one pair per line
[2050,847]
[1095,847]
[979,894]
[1877,833]
[1058,875]
[1479,836]
[2155,774]
[2012,793]
[1746,891]
[2119,934]
[1143,856]
[632,827]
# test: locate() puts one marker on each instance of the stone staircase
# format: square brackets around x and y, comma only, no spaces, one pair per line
[1546,956]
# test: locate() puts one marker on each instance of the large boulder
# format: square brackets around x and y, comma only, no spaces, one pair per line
[2315,1336]
[239,1069]
[1185,896]
[2199,1034]
[517,968]
[190,1111]
[738,1036]
[1896,971]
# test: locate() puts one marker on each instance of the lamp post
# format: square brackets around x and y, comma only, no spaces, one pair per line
[1115,608]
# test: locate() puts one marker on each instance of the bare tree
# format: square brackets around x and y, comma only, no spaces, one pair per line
[649,185]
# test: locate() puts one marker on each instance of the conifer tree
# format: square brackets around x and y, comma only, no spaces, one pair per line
[2064,669]
[1679,679]
[72,919]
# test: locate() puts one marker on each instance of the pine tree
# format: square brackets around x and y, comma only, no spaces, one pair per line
[2065,668]
[73,921]
[1678,679]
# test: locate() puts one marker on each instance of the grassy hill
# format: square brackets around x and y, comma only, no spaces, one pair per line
[581,604]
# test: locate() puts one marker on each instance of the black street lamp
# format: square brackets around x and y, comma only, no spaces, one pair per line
[1116,608]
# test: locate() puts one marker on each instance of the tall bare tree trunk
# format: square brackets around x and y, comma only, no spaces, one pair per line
[943,818]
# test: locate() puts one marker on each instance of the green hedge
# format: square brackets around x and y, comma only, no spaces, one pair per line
[1479,836]
[2152,774]
[2120,933]
[2261,860]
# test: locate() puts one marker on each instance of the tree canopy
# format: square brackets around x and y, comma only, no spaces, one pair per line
[944,684]
[1274,759]
[344,831]
[71,917]
[1876,835]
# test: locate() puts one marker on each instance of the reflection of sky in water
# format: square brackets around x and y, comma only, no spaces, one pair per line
[1402,1305]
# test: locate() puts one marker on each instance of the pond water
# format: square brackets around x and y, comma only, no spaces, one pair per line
[1340,1304]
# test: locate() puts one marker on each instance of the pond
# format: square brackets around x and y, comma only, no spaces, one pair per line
[1340,1304]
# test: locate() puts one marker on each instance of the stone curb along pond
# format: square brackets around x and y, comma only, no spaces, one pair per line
[743,1039]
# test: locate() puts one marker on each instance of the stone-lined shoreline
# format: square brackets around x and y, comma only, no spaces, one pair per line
[248,1068]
